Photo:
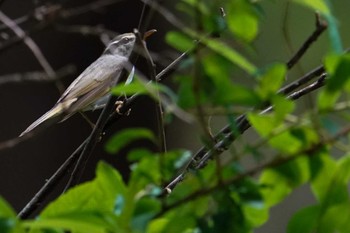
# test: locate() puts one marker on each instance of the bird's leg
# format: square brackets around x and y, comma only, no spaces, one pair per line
[119,105]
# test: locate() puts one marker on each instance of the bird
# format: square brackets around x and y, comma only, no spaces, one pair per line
[90,89]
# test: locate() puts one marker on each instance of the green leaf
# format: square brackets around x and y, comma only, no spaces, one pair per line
[200,6]
[7,225]
[296,171]
[335,218]
[247,194]
[228,208]
[98,195]
[282,107]
[126,136]
[316,5]
[236,94]
[142,175]
[158,225]
[229,53]
[145,210]
[6,210]
[264,124]
[339,68]
[8,220]
[186,98]
[323,168]
[179,40]
[327,100]
[330,186]
[336,192]
[77,222]
[286,143]
[138,154]
[242,20]
[89,207]
[255,214]
[294,140]
[304,220]
[274,187]
[220,89]
[271,80]
[142,88]
[130,89]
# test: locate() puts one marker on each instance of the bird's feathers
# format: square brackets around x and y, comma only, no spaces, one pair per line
[93,83]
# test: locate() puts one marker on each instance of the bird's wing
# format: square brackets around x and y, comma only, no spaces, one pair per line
[94,76]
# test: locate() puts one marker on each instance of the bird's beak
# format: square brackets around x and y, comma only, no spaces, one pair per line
[149,33]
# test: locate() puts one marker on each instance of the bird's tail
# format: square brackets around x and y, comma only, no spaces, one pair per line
[52,116]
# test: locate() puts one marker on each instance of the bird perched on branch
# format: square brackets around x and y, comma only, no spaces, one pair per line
[93,84]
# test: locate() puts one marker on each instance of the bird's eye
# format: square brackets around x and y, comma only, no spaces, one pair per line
[126,38]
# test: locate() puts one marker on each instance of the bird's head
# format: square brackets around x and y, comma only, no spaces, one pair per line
[121,45]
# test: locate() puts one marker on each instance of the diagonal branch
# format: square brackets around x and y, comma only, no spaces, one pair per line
[201,158]
[321,26]
[311,151]
[33,47]
[29,42]
[37,76]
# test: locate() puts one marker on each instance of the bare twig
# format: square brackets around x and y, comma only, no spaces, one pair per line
[18,21]
[152,75]
[311,151]
[86,30]
[96,5]
[200,159]
[321,26]
[45,16]
[301,81]
[242,121]
[32,46]
[29,42]
[50,184]
[37,76]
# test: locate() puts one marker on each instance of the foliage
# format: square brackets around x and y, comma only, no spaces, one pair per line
[225,196]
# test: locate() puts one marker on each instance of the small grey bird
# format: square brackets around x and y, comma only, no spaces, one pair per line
[93,85]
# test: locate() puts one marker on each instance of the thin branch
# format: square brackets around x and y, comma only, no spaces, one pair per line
[321,26]
[37,76]
[311,151]
[152,76]
[67,13]
[303,80]
[18,21]
[200,159]
[241,121]
[50,184]
[29,42]
[47,15]
[141,19]
[32,46]
[86,30]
